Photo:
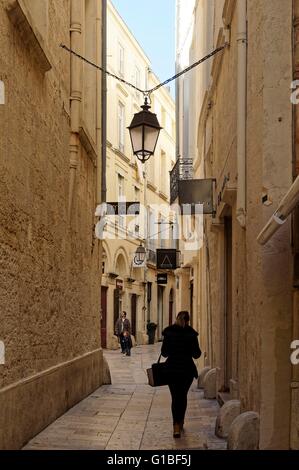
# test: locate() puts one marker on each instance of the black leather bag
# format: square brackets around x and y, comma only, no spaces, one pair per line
[158,374]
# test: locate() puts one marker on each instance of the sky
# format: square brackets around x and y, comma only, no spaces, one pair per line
[153,25]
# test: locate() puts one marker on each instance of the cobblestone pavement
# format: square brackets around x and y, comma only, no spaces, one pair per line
[130,415]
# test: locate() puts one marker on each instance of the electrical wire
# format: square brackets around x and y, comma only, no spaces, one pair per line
[151,90]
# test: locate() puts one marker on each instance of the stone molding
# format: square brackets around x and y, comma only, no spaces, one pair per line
[22,20]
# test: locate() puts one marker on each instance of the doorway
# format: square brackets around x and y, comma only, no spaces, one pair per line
[133,314]
[116,306]
[170,320]
[104,291]
[160,311]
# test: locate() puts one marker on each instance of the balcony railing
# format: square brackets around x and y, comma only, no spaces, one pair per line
[182,170]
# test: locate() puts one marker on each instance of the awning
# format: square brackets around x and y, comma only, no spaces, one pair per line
[285,208]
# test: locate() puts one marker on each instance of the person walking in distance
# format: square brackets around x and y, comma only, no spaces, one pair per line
[180,346]
[127,343]
[122,325]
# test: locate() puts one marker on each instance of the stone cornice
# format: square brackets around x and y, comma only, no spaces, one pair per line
[22,20]
[88,143]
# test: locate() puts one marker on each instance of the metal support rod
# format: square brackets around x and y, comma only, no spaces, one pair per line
[287,205]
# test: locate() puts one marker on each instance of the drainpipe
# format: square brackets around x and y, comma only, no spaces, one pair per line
[104,101]
[76,93]
[242,108]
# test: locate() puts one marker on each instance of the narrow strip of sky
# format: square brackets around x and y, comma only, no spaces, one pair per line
[153,25]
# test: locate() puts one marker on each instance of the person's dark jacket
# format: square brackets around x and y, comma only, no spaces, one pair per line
[118,326]
[180,345]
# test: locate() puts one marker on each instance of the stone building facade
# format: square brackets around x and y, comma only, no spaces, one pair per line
[241,134]
[124,287]
[50,161]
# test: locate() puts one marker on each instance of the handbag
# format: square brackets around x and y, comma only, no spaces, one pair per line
[158,374]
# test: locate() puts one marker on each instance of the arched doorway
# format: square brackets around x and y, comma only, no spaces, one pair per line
[170,307]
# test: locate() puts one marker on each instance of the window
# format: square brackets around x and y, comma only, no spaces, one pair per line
[164,227]
[121,127]
[151,170]
[137,77]
[137,199]
[121,185]
[121,193]
[163,174]
[163,118]
[121,60]
[152,229]
[137,194]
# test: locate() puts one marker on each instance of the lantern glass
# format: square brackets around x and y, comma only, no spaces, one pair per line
[136,138]
[144,132]
[150,139]
[140,253]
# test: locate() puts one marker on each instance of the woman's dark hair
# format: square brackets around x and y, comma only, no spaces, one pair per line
[183,318]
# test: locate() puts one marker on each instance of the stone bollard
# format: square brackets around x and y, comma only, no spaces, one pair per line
[209,384]
[106,372]
[226,415]
[202,375]
[244,432]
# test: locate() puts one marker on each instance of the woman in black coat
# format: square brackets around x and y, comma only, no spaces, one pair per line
[180,345]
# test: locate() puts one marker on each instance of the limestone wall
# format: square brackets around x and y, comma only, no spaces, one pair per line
[50,279]
[269,269]
[261,280]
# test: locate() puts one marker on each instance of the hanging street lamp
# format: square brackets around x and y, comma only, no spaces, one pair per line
[140,256]
[144,132]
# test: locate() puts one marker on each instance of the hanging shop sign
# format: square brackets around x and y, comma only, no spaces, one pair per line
[194,192]
[122,208]
[162,278]
[167,259]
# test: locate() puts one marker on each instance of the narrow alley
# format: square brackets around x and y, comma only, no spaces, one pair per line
[130,415]
[149,192]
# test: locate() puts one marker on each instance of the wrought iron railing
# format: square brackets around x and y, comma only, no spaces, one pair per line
[182,170]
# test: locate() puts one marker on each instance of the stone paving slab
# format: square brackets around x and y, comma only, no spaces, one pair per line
[131,415]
